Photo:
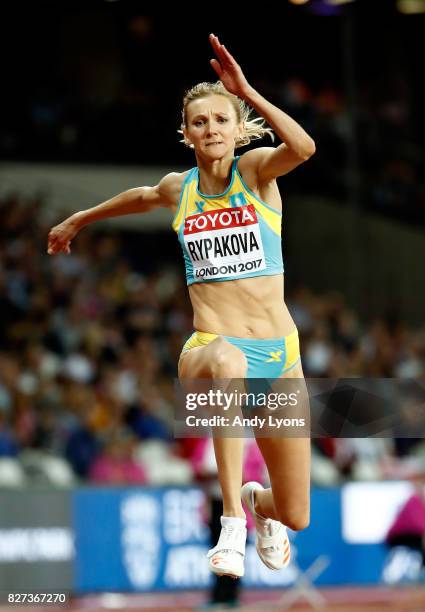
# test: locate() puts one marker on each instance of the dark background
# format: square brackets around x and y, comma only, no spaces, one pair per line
[103,81]
[78,62]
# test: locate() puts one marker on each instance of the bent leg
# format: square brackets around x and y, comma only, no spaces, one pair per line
[219,360]
[288,464]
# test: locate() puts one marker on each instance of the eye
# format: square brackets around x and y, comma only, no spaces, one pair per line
[198,122]
[223,119]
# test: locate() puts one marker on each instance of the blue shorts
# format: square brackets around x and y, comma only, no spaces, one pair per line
[266,357]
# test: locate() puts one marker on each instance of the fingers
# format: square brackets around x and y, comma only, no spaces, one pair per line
[218,48]
[54,250]
[216,65]
[226,59]
[51,246]
[213,40]
[59,239]
[55,246]
[228,55]
[51,243]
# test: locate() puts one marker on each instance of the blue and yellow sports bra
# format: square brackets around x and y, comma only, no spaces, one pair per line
[227,236]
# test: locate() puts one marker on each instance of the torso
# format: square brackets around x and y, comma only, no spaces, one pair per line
[244,307]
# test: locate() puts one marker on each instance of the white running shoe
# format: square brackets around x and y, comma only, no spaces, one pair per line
[227,557]
[271,538]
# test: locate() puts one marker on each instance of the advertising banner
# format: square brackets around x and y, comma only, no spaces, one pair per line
[157,539]
[149,539]
[36,541]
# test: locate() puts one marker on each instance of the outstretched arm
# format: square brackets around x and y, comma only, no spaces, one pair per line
[138,200]
[297,146]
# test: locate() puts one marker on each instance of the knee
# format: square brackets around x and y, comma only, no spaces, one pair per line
[296,520]
[229,364]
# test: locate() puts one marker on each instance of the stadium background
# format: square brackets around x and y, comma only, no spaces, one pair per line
[96,496]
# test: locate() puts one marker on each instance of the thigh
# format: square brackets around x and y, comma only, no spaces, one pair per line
[217,366]
[205,361]
[288,461]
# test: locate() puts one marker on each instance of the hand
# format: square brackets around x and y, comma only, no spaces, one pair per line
[60,237]
[228,70]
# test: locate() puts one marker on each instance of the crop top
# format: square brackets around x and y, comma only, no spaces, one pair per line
[227,236]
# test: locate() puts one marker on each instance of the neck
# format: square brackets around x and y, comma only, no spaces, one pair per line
[214,177]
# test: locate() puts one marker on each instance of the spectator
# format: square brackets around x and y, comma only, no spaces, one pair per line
[408,528]
[115,464]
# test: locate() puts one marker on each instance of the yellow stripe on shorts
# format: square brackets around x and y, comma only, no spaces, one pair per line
[292,344]
[198,339]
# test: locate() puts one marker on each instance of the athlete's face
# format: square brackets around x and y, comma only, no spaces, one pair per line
[212,126]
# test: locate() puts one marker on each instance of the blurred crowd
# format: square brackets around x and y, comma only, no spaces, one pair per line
[89,346]
[366,146]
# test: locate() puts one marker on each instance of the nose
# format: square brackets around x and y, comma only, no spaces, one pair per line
[211,126]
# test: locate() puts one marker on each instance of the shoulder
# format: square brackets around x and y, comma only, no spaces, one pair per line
[170,187]
[250,162]
[248,167]
[255,156]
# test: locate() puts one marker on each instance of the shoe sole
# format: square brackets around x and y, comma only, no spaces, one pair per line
[219,572]
[234,576]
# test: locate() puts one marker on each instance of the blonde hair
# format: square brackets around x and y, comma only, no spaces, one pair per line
[252,128]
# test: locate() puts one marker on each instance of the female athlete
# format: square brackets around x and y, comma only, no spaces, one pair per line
[227,215]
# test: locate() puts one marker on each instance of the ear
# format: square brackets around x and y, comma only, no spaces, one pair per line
[187,141]
[240,131]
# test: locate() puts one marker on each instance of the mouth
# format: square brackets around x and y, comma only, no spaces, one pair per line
[210,144]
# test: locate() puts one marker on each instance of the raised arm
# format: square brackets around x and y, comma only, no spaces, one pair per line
[269,162]
[137,200]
